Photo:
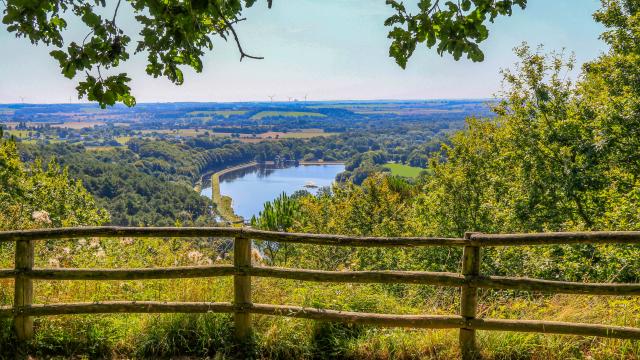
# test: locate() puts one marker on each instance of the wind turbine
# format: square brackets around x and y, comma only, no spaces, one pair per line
[289,98]
[271,97]
[305,97]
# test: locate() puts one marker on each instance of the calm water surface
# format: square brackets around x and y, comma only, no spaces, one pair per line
[250,188]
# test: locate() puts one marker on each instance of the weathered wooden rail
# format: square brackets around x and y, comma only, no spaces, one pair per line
[470,280]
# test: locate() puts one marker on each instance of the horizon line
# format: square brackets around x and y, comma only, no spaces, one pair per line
[260,102]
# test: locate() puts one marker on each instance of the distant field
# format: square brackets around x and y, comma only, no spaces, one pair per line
[123,139]
[264,114]
[277,135]
[99,148]
[66,124]
[404,170]
[225,113]
[295,134]
[179,132]
[250,140]
[404,111]
[78,124]
[271,135]
[186,132]
[18,133]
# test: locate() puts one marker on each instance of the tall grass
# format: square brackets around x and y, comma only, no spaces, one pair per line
[210,335]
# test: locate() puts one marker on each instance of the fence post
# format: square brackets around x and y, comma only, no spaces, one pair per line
[469,299]
[242,288]
[23,290]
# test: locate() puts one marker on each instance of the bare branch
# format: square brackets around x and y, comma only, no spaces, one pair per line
[229,26]
[115,13]
[84,41]
[237,21]
[100,74]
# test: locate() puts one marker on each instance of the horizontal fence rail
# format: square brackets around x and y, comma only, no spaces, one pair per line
[556,238]
[318,239]
[470,280]
[476,239]
[381,277]
[409,321]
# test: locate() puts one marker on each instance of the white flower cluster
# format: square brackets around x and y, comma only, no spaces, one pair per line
[196,257]
[41,216]
[256,257]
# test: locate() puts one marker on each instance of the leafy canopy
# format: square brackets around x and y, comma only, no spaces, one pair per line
[38,196]
[454,27]
[176,33]
[559,155]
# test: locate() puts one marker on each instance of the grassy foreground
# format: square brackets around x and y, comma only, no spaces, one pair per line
[148,336]
[210,335]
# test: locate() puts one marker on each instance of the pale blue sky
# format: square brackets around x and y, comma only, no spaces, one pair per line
[328,49]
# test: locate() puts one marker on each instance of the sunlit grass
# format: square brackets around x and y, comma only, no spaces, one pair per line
[166,335]
[123,139]
[404,170]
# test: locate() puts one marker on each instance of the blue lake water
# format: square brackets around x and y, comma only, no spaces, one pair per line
[250,188]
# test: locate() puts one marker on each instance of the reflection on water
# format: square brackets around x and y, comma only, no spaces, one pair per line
[261,171]
[251,187]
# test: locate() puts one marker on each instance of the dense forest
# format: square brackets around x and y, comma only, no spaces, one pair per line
[150,181]
[557,157]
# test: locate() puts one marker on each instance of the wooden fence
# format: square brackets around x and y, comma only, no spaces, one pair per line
[469,281]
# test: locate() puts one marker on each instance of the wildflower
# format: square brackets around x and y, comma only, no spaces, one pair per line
[194,256]
[95,243]
[41,216]
[126,241]
[256,258]
[54,262]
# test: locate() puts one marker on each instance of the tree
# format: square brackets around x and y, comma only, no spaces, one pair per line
[455,27]
[175,34]
[559,155]
[278,215]
[537,166]
[610,95]
[36,196]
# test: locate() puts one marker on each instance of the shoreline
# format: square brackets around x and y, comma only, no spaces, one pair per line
[337,162]
[223,202]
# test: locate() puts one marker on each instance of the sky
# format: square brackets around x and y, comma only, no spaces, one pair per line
[324,49]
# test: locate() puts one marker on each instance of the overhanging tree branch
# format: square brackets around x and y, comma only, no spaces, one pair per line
[229,26]
[115,13]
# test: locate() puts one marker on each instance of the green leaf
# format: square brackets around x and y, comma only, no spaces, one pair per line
[91,19]
[59,55]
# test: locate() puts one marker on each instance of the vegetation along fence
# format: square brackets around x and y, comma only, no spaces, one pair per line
[469,281]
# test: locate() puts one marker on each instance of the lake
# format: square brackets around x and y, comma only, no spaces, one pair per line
[251,187]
